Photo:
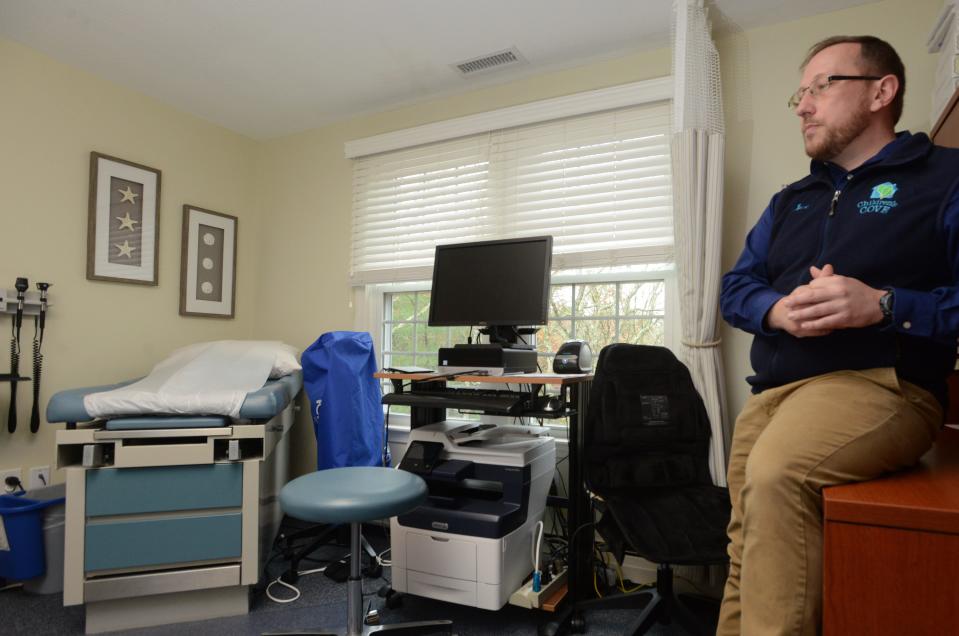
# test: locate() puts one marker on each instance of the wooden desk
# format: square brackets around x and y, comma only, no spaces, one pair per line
[891,550]
[946,130]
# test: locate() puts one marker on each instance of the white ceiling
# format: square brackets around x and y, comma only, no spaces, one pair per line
[269,68]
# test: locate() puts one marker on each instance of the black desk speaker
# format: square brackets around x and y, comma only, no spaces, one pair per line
[574,356]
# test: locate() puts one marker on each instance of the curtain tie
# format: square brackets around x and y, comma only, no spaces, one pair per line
[702,345]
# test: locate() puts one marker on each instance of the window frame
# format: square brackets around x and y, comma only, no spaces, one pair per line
[671,323]
[368,297]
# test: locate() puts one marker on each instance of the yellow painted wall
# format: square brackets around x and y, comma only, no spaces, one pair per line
[293,194]
[51,117]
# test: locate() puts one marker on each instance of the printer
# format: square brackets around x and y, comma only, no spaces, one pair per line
[471,543]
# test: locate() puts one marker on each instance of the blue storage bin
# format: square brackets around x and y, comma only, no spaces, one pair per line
[22,521]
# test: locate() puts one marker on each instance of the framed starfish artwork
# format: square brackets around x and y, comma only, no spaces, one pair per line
[208,263]
[123,225]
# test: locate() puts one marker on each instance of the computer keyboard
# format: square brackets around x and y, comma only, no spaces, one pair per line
[486,400]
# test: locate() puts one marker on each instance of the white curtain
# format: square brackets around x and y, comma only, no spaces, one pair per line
[697,161]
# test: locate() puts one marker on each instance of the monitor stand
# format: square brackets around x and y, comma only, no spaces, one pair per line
[508,336]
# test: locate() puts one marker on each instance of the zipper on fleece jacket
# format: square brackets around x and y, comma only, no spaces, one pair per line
[832,209]
[804,276]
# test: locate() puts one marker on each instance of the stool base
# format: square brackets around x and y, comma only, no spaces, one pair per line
[417,627]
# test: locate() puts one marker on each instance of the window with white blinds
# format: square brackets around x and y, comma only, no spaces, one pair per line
[598,183]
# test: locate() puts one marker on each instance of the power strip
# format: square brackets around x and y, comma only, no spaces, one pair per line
[526,597]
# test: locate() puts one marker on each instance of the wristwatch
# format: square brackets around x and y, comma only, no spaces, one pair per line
[886,303]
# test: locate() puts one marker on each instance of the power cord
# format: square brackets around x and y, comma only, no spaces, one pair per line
[622,582]
[13,485]
[279,580]
[537,574]
[382,562]
[519,335]
[387,459]
[277,551]
[385,563]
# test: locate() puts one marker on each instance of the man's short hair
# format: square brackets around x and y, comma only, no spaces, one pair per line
[877,57]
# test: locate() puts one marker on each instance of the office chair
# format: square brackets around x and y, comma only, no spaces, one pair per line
[646,467]
[354,495]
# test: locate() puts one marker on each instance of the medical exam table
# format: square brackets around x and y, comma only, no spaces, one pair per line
[170,518]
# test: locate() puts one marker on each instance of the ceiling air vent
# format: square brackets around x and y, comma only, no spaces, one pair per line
[493,61]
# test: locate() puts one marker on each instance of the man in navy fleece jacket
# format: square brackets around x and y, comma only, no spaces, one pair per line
[848,283]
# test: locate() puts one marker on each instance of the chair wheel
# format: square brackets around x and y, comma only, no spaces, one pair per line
[394,600]
[548,629]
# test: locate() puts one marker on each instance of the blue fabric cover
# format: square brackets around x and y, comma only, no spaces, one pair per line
[344,400]
[352,494]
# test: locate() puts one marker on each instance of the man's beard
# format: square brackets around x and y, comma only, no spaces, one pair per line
[836,139]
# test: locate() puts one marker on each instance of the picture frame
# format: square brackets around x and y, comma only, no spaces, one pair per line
[208,263]
[123,221]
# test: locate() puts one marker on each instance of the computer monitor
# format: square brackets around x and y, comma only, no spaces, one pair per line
[495,284]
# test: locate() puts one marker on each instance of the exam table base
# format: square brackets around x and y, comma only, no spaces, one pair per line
[162,609]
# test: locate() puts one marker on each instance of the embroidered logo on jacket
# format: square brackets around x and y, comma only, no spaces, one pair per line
[800,207]
[881,199]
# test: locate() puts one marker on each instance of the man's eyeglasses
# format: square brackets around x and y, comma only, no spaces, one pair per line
[820,83]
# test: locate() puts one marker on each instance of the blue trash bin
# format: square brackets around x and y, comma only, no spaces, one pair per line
[22,554]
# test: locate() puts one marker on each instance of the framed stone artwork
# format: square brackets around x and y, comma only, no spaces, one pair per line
[123,223]
[208,263]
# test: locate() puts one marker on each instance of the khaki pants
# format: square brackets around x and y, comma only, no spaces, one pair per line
[788,444]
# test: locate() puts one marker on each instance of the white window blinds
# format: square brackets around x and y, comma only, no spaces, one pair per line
[598,183]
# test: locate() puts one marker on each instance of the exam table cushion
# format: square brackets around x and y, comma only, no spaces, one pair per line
[211,378]
[166,421]
[352,494]
[262,404]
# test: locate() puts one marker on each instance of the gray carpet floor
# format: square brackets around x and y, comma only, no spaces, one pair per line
[322,603]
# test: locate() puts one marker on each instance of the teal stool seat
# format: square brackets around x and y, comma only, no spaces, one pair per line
[352,494]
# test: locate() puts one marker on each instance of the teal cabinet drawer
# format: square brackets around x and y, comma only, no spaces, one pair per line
[120,491]
[127,544]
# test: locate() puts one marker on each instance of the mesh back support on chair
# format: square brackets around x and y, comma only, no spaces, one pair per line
[646,455]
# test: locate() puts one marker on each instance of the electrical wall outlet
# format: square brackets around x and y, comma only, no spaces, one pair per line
[39,477]
[3,299]
[9,472]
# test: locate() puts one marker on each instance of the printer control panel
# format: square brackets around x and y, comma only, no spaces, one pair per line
[421,457]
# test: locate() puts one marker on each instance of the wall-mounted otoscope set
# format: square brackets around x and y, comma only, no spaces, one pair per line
[21,286]
[18,302]
[39,323]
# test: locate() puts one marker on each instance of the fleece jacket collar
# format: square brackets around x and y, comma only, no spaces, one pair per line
[905,148]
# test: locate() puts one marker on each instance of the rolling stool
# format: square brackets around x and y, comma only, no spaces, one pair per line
[353,495]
